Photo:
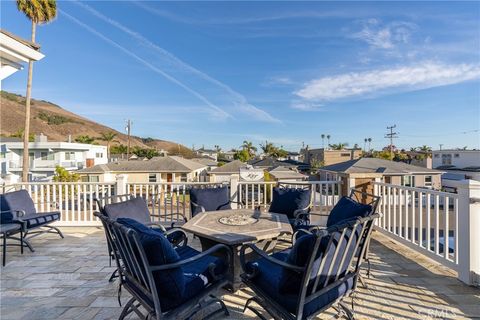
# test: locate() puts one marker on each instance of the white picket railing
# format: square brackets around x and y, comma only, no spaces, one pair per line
[425,220]
[75,200]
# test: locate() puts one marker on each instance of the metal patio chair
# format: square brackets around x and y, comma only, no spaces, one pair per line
[209,199]
[318,272]
[165,283]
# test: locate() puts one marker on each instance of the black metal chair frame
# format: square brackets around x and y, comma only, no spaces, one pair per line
[308,291]
[27,232]
[128,249]
[6,234]
[101,202]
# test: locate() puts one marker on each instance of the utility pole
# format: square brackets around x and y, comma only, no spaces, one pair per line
[128,129]
[441,145]
[392,135]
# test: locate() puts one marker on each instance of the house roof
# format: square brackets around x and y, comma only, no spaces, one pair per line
[10,139]
[206,161]
[231,167]
[378,166]
[30,44]
[157,164]
[282,172]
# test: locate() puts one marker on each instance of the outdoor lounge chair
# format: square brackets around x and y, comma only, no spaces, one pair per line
[167,282]
[130,206]
[318,272]
[293,200]
[18,207]
[209,199]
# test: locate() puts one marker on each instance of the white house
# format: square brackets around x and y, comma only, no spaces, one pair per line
[46,155]
[15,52]
[457,165]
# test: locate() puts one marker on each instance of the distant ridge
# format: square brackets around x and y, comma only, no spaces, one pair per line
[57,124]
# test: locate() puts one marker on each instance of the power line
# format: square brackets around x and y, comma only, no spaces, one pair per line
[392,135]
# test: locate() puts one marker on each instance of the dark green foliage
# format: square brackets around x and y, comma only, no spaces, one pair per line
[54,119]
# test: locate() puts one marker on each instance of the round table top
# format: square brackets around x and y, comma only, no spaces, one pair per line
[238,226]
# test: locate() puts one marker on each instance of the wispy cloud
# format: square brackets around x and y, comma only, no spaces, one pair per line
[307,106]
[278,81]
[376,82]
[384,36]
[237,100]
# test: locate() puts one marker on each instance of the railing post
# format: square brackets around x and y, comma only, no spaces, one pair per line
[234,191]
[121,184]
[468,231]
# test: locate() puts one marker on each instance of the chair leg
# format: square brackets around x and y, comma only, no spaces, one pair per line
[345,311]
[58,231]
[119,294]
[126,310]
[4,249]
[247,306]
[21,239]
[113,275]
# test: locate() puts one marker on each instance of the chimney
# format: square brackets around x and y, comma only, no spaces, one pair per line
[69,138]
[40,138]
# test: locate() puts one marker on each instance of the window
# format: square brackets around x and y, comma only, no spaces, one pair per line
[183,177]
[428,181]
[70,155]
[344,154]
[85,179]
[437,155]
[446,159]
[99,155]
[46,155]
[408,181]
[152,177]
[456,155]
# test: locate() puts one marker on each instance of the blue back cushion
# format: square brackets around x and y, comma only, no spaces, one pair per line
[347,208]
[135,208]
[287,200]
[212,199]
[159,251]
[15,201]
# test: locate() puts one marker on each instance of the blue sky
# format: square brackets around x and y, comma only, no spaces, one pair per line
[208,73]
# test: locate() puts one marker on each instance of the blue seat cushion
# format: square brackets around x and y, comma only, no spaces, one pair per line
[159,251]
[267,280]
[135,208]
[197,278]
[347,208]
[288,200]
[15,201]
[39,219]
[211,199]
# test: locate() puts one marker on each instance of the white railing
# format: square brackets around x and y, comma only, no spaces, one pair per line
[325,194]
[425,220]
[75,200]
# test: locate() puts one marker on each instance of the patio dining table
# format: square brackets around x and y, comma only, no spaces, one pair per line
[236,227]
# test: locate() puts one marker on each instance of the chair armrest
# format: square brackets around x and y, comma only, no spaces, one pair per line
[215,248]
[172,214]
[264,255]
[155,224]
[16,213]
[184,235]
[197,206]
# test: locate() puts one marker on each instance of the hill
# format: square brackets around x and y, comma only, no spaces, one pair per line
[58,123]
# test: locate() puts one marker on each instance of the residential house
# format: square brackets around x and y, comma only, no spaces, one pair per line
[157,169]
[45,156]
[225,172]
[212,154]
[15,52]
[287,174]
[209,162]
[270,162]
[365,170]
[457,165]
[328,157]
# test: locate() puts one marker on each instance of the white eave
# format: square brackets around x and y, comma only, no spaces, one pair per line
[16,51]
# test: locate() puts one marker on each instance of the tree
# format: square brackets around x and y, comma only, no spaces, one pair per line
[218,148]
[85,139]
[328,139]
[145,153]
[38,12]
[369,142]
[251,149]
[63,175]
[242,155]
[365,144]
[19,134]
[267,148]
[119,149]
[339,146]
[109,138]
[323,140]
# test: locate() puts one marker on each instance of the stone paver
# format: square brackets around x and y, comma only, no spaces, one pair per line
[67,279]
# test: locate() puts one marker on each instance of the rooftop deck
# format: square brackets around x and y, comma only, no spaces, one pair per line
[67,279]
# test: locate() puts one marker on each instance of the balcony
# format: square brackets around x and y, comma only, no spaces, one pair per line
[414,275]
[45,165]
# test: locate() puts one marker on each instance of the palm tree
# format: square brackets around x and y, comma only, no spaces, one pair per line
[365,144]
[84,139]
[218,148]
[267,148]
[369,142]
[323,140]
[109,138]
[39,12]
[251,149]
[328,139]
[339,146]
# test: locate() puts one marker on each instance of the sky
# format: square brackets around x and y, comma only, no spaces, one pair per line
[219,73]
